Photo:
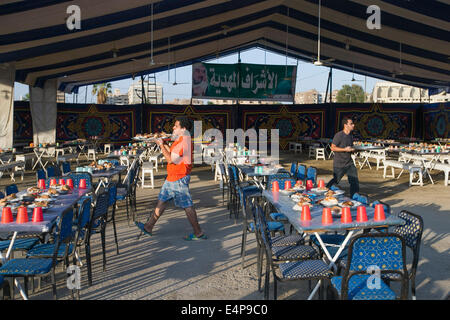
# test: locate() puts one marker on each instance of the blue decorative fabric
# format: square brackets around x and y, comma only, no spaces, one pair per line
[301,172]
[384,252]
[19,244]
[276,216]
[304,269]
[361,198]
[290,240]
[311,174]
[359,290]
[294,252]
[26,267]
[12,188]
[46,250]
[272,225]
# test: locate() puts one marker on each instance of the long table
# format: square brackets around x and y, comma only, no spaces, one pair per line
[284,205]
[61,203]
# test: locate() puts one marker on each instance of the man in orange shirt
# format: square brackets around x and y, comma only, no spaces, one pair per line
[176,186]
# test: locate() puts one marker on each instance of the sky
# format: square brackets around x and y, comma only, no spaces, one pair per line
[309,77]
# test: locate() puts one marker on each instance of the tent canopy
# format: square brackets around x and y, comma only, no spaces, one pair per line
[115,39]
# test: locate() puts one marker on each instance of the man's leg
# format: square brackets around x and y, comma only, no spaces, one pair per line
[338,173]
[159,210]
[192,217]
[352,174]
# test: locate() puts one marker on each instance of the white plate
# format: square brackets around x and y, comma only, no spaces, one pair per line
[286,192]
[298,208]
[317,190]
[299,188]
[44,199]
[329,203]
[338,192]
[355,204]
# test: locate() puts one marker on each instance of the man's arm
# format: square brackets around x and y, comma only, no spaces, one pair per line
[165,150]
[335,148]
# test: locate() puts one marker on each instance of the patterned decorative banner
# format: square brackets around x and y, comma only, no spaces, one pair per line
[162,117]
[292,121]
[117,125]
[379,121]
[23,125]
[436,121]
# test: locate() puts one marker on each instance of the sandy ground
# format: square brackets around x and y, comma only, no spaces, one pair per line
[167,267]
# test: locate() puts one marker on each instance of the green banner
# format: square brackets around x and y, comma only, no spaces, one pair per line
[243,81]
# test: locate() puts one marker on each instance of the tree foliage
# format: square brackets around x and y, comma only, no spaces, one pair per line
[350,94]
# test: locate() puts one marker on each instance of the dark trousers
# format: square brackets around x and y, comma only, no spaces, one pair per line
[352,175]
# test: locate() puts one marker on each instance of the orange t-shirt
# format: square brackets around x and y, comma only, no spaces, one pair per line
[183,166]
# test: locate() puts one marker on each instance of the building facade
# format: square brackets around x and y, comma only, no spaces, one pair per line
[391,92]
[135,91]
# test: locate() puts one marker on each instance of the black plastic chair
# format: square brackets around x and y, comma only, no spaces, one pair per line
[112,191]
[124,192]
[97,223]
[295,263]
[412,232]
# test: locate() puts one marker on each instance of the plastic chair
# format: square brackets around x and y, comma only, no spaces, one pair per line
[41,174]
[295,263]
[29,267]
[97,223]
[301,172]
[53,171]
[311,174]
[2,195]
[112,191]
[77,176]
[383,252]
[411,232]
[12,188]
[293,170]
[124,191]
[66,168]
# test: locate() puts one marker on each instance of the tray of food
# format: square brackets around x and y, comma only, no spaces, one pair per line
[299,205]
[319,190]
[329,201]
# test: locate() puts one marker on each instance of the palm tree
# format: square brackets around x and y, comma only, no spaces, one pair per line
[101,90]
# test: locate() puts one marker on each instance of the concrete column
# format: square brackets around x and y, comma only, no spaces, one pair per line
[7,77]
[43,112]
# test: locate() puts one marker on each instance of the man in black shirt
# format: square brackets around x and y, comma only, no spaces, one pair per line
[342,146]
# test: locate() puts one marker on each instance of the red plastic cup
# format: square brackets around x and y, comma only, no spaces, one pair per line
[326,216]
[275,186]
[321,183]
[306,214]
[37,215]
[53,182]
[287,185]
[300,182]
[41,183]
[69,182]
[361,215]
[346,216]
[82,184]
[22,215]
[61,182]
[379,212]
[7,216]
[309,185]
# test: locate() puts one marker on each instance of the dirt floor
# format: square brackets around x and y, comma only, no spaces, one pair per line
[165,266]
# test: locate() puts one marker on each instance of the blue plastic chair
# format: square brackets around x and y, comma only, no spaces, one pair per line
[77,176]
[124,191]
[41,174]
[386,253]
[53,171]
[66,167]
[281,182]
[2,195]
[301,172]
[311,174]
[12,188]
[31,267]
[293,170]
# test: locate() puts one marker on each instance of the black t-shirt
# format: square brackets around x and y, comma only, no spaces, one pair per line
[342,140]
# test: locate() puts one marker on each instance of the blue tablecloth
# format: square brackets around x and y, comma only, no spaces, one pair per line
[284,205]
